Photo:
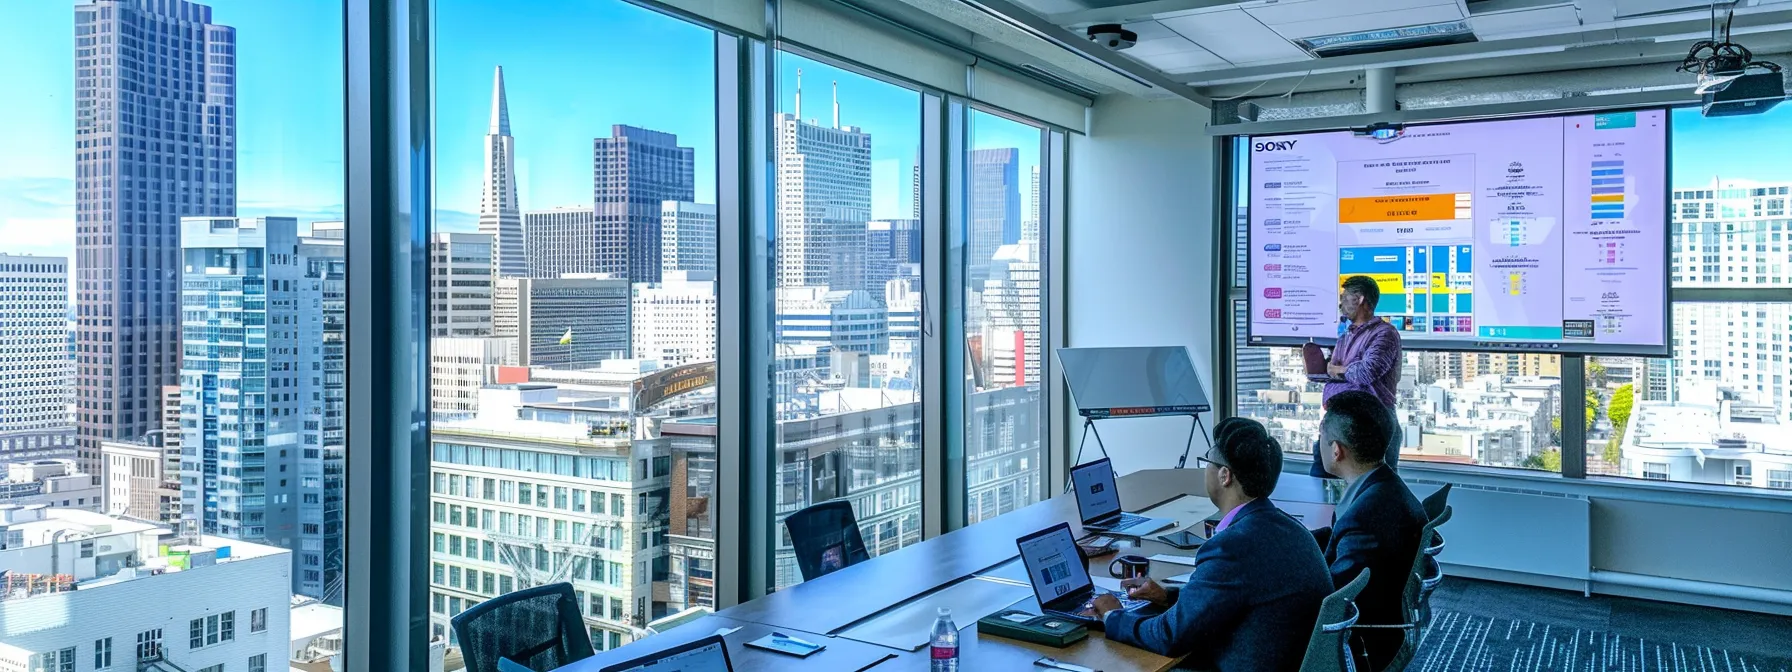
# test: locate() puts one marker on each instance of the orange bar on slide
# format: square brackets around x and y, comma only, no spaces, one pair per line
[1608,198]
[1407,208]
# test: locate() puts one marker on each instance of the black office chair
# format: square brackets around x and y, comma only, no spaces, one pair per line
[539,627]
[1328,649]
[1435,503]
[1426,575]
[826,538]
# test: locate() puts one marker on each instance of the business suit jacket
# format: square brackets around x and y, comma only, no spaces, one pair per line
[1379,531]
[1251,603]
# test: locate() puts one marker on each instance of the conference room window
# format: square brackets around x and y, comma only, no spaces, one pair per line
[847,316]
[172,320]
[573,331]
[1717,410]
[1004,425]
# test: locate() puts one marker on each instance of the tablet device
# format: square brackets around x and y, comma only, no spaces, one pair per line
[1183,539]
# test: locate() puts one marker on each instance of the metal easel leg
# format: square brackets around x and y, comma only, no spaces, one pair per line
[1194,429]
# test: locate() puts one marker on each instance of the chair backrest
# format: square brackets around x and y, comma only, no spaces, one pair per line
[825,538]
[1437,501]
[1328,649]
[539,627]
[1425,576]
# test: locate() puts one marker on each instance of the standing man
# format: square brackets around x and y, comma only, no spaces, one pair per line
[1366,358]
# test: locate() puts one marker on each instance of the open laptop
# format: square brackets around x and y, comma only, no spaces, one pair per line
[1098,501]
[709,654]
[1060,579]
[1316,363]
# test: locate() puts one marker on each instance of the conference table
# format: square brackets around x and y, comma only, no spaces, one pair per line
[836,608]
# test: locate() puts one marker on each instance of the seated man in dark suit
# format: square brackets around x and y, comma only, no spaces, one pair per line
[1376,525]
[1257,584]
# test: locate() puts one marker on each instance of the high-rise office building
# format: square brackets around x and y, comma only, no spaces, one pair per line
[823,200]
[889,244]
[633,172]
[325,258]
[573,322]
[137,175]
[995,206]
[675,319]
[35,382]
[499,214]
[687,237]
[1731,234]
[460,285]
[1029,227]
[458,367]
[1011,295]
[848,320]
[251,397]
[915,191]
[561,241]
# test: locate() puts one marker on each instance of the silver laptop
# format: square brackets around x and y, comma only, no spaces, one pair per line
[1098,502]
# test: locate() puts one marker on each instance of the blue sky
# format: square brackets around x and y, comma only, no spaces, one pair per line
[565,85]
[1755,147]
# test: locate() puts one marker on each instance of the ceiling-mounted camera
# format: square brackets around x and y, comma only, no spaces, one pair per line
[1113,36]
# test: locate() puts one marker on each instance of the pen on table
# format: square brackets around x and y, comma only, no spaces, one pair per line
[1057,665]
[793,640]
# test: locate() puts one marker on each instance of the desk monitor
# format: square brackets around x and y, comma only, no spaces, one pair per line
[1137,381]
[709,654]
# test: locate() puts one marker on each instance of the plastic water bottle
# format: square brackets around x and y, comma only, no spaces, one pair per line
[944,643]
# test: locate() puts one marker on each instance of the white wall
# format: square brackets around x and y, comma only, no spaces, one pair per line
[1140,245]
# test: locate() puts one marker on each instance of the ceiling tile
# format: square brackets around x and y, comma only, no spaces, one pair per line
[1280,12]
[1502,24]
[1185,61]
[1415,16]
[1235,36]
[1162,45]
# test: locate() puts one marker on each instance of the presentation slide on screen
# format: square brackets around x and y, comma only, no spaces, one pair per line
[1538,233]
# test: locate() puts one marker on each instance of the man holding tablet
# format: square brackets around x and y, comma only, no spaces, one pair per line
[1366,358]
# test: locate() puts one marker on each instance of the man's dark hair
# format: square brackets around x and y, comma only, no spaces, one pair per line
[1364,286]
[1358,421]
[1254,456]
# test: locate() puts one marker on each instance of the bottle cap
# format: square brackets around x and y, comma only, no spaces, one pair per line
[945,611]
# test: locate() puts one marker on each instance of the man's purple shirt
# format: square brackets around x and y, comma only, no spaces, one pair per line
[1370,353]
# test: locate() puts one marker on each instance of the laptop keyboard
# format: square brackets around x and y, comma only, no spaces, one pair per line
[1129,519]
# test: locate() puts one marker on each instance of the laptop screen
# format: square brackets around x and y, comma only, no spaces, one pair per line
[1053,564]
[1096,496]
[710,657]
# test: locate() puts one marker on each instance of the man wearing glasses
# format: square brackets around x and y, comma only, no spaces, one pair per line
[1257,585]
[1366,358]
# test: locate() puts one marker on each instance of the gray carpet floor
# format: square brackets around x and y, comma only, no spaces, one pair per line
[1486,626]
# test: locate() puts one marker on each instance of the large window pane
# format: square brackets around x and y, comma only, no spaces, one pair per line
[1004,431]
[1717,412]
[171,328]
[1731,227]
[847,241]
[573,312]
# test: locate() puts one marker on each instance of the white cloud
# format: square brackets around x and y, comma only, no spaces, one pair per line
[20,235]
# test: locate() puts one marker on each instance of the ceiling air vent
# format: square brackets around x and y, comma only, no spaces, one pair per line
[1387,39]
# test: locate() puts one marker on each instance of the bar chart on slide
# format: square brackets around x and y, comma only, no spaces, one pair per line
[1608,189]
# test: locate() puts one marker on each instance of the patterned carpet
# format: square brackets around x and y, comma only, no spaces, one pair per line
[1491,627]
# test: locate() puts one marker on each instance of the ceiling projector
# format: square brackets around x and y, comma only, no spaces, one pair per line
[1730,81]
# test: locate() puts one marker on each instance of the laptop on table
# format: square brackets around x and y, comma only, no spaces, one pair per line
[1060,579]
[709,654]
[1098,502]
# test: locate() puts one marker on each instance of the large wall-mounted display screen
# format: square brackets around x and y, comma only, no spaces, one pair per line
[1545,233]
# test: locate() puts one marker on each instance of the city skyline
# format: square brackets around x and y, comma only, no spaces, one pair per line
[290,167]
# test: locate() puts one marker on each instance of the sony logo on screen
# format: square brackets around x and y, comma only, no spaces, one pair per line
[1274,146]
